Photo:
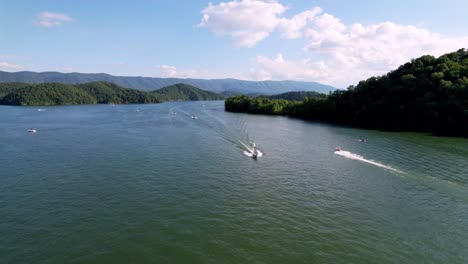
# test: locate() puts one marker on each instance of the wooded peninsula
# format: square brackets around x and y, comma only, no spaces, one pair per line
[96,93]
[427,94]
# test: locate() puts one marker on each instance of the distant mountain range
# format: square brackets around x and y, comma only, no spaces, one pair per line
[225,86]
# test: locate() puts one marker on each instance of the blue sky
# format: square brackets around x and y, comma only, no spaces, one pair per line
[334,42]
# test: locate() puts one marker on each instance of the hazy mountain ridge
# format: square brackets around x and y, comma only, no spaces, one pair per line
[150,83]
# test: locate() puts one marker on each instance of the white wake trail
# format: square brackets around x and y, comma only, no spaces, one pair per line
[353,156]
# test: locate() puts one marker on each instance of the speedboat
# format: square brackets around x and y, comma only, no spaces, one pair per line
[338,149]
[252,151]
[194,117]
[32,130]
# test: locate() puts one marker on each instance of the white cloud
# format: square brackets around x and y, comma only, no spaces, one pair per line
[293,28]
[357,51]
[5,66]
[246,21]
[250,21]
[67,69]
[49,19]
[342,53]
[346,54]
[281,69]
[169,71]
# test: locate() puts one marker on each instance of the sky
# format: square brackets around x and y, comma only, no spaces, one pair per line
[328,41]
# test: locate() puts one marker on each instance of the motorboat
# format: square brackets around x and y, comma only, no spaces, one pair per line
[31,130]
[252,151]
[337,149]
[194,117]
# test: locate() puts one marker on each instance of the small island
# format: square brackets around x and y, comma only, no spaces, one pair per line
[427,94]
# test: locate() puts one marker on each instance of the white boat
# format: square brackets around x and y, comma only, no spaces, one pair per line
[32,130]
[252,151]
[194,117]
[40,110]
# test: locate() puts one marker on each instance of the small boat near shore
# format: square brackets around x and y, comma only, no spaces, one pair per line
[32,130]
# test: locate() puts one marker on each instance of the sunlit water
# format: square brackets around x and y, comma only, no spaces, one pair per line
[141,184]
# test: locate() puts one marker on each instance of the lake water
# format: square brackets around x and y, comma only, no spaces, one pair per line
[137,184]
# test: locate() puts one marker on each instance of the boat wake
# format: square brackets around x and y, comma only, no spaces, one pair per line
[251,151]
[353,156]
[235,132]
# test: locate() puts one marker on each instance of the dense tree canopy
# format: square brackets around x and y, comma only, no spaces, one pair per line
[95,92]
[297,96]
[6,88]
[185,92]
[67,94]
[48,94]
[427,94]
[106,92]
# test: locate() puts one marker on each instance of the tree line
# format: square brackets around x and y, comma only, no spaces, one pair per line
[427,94]
[95,93]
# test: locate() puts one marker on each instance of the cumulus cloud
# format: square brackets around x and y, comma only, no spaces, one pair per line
[246,21]
[49,19]
[250,21]
[342,53]
[5,66]
[281,69]
[359,51]
[293,28]
[169,71]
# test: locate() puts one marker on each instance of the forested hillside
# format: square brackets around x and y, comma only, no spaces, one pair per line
[185,92]
[96,93]
[151,84]
[427,94]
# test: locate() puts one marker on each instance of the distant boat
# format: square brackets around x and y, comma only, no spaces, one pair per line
[194,117]
[31,130]
[40,110]
[363,140]
[338,149]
